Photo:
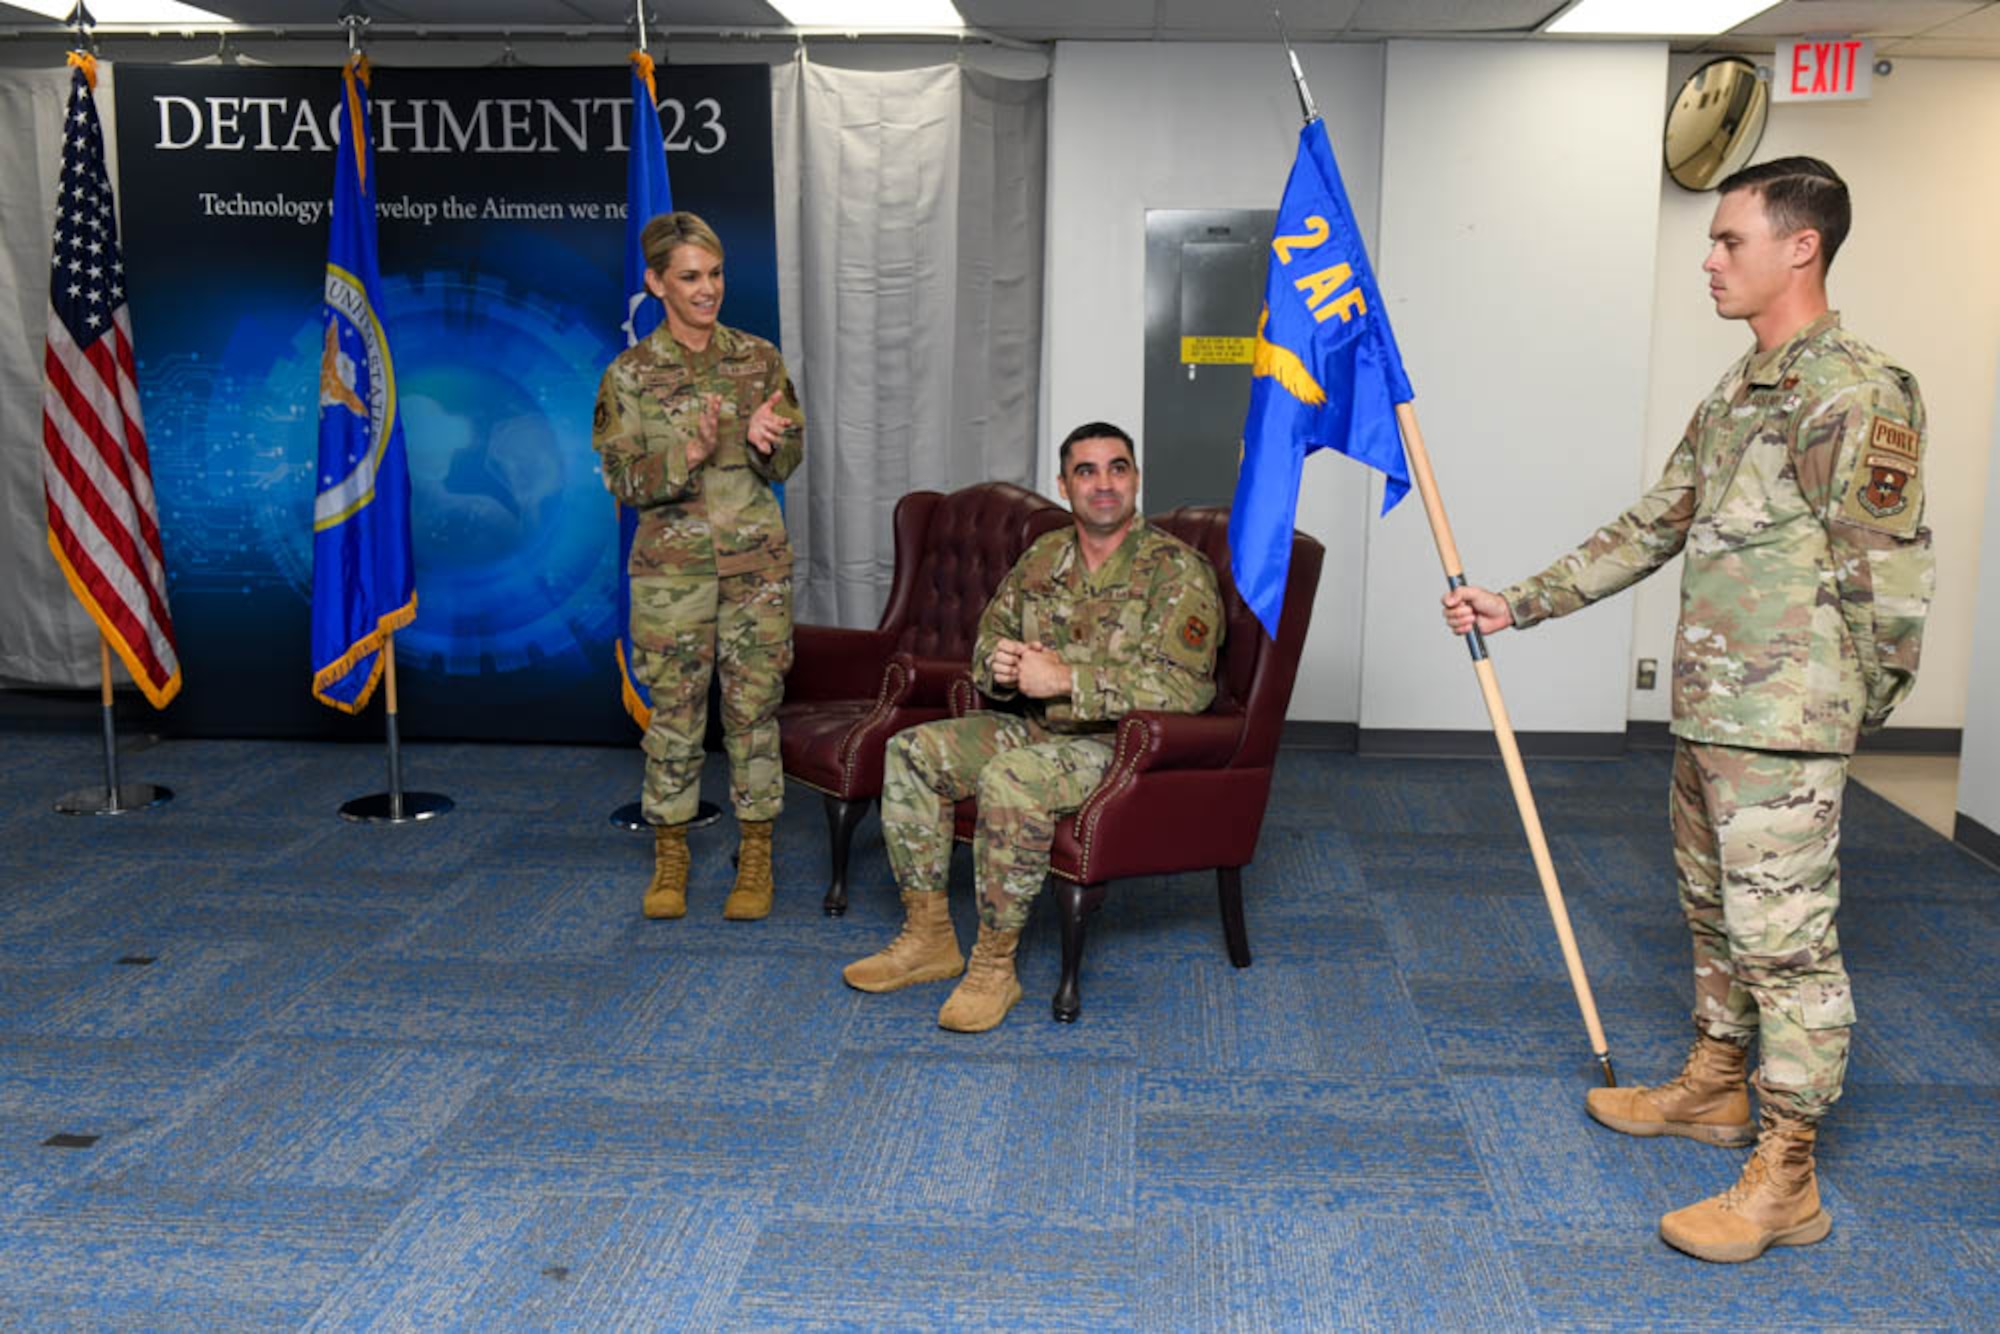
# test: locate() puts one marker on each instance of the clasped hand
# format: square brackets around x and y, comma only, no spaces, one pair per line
[765,430]
[1034,669]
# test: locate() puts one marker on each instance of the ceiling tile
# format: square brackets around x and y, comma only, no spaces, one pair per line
[1452,17]
[1305,20]
[1797,18]
[1041,19]
[689,13]
[1987,48]
[1983,24]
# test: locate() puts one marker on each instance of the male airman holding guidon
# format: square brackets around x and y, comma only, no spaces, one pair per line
[1797,498]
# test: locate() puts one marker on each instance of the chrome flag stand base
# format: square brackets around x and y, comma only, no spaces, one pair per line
[382,807]
[122,800]
[630,816]
[114,798]
[395,806]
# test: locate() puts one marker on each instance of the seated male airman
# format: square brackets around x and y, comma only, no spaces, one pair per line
[1094,621]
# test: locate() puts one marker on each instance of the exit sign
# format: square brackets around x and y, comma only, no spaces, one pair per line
[1823,69]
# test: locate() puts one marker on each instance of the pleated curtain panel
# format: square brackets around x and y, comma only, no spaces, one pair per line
[910,244]
[46,637]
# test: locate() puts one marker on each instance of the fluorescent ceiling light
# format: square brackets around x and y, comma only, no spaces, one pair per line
[892,15]
[124,11]
[1656,18]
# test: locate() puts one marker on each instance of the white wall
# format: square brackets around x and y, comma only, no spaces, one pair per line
[1919,277]
[1520,202]
[1134,126]
[1979,759]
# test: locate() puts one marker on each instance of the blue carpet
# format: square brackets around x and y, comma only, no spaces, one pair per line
[330,1076]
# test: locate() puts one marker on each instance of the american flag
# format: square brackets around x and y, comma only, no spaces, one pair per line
[103,521]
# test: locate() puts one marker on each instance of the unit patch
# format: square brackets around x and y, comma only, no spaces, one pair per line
[1884,493]
[1195,633]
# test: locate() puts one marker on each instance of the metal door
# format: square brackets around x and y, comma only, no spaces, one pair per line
[1204,287]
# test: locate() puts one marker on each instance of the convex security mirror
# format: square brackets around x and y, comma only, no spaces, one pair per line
[1716,122]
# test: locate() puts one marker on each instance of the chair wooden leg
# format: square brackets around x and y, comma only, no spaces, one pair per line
[1077,903]
[842,819]
[1229,890]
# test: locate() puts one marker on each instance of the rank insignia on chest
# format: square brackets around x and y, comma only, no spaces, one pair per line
[1195,633]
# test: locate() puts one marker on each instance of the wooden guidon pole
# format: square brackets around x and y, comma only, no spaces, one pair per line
[1503,732]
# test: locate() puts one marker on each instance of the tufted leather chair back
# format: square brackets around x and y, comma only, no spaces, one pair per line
[952,551]
[1253,674]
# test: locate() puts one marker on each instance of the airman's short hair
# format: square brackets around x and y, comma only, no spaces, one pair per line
[1094,431]
[1799,192]
[679,228]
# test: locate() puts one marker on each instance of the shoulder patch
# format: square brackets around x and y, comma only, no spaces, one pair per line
[1884,493]
[1194,633]
[1893,437]
[603,418]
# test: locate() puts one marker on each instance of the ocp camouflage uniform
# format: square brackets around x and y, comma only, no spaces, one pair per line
[1797,497]
[1140,633]
[711,569]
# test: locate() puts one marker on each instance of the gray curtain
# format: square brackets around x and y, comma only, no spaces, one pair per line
[910,289]
[46,638]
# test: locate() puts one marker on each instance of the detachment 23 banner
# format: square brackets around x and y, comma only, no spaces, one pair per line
[500,196]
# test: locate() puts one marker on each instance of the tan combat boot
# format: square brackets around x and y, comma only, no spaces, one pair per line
[989,989]
[750,897]
[925,950]
[1774,1203]
[1706,1101]
[667,896]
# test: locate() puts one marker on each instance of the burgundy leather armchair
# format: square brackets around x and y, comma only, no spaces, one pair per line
[849,691]
[1184,791]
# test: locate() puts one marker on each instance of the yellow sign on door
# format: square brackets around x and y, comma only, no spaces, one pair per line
[1218,351]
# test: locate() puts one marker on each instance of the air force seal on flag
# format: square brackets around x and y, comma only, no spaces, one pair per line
[364,574]
[357,400]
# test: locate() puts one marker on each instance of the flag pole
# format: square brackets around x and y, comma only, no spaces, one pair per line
[1489,683]
[112,806]
[394,806]
[115,798]
[632,814]
[1503,732]
[395,737]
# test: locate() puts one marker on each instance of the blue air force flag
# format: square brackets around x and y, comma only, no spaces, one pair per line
[364,581]
[1326,374]
[647,194]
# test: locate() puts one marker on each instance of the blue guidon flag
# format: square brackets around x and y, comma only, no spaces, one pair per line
[647,194]
[364,581]
[1326,374]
